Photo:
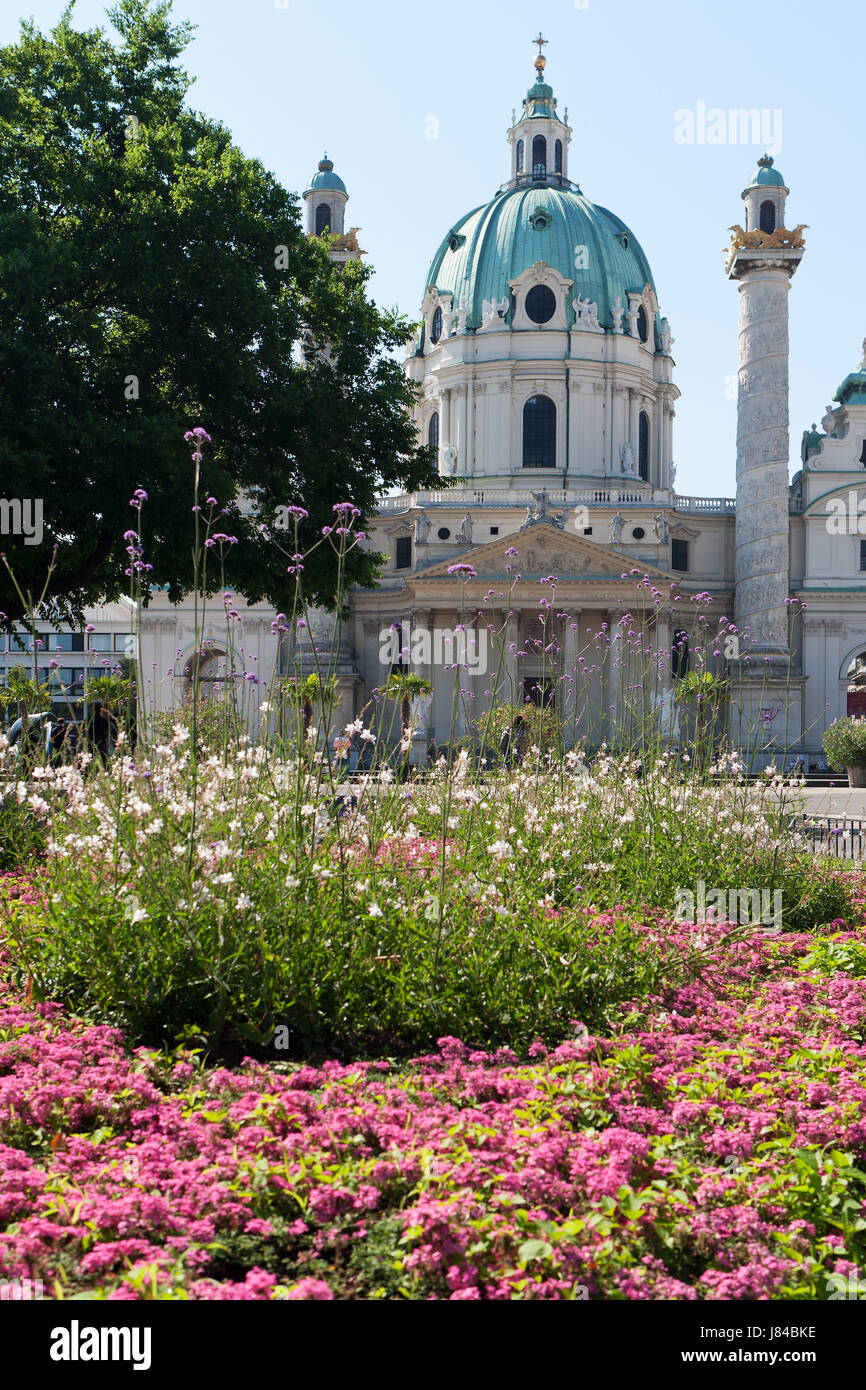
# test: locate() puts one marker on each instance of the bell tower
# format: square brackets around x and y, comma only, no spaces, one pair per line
[325,199]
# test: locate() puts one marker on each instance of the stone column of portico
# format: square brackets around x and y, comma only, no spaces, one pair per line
[613,673]
[509,685]
[571,631]
[663,650]
[421,646]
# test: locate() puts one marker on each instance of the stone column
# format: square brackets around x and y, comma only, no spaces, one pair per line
[458,415]
[608,427]
[570,637]
[469,446]
[444,425]
[663,645]
[634,423]
[421,644]
[761,536]
[613,681]
[509,687]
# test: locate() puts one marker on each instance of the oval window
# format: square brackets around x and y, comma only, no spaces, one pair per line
[541,304]
[443,533]
[642,324]
[436,325]
[638,533]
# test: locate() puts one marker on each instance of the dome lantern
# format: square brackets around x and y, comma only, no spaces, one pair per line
[539,139]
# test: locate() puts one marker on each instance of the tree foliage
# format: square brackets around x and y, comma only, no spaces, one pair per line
[153,277]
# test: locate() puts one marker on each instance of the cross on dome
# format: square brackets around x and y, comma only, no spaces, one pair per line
[541,61]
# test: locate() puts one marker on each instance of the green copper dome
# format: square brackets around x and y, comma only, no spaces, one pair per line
[765,176]
[524,225]
[326,178]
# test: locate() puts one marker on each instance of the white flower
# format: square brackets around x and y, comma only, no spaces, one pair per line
[243,903]
[374,910]
[500,849]
[292,882]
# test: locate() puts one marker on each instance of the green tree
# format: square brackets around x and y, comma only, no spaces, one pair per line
[152,277]
[403,687]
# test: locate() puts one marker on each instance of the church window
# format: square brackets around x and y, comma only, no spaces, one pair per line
[443,533]
[520,156]
[541,303]
[436,325]
[539,157]
[557,157]
[680,654]
[863,454]
[638,533]
[643,434]
[863,555]
[494,530]
[323,219]
[642,324]
[768,216]
[403,553]
[433,431]
[679,555]
[539,433]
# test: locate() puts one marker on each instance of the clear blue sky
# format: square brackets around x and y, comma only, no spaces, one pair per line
[362,78]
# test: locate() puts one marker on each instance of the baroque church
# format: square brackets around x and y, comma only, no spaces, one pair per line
[545,382]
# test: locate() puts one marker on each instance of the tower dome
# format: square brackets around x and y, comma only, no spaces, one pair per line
[541,345]
[585,244]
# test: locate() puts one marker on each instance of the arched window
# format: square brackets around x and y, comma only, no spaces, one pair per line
[768,216]
[539,157]
[436,325]
[539,433]
[557,157]
[323,219]
[520,156]
[642,324]
[643,446]
[680,654]
[433,431]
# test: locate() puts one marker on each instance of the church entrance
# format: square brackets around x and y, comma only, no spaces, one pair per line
[539,690]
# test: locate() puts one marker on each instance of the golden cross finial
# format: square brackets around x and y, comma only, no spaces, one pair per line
[540,41]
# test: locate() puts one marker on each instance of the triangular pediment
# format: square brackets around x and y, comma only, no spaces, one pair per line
[542,549]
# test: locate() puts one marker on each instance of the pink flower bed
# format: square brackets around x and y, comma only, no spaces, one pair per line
[709,1151]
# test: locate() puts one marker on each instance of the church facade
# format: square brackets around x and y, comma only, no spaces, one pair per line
[545,373]
[545,370]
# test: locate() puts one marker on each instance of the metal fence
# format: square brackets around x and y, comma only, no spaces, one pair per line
[840,837]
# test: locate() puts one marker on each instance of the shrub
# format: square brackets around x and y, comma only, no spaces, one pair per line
[845,743]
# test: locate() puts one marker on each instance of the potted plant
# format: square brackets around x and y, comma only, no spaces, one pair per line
[845,746]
